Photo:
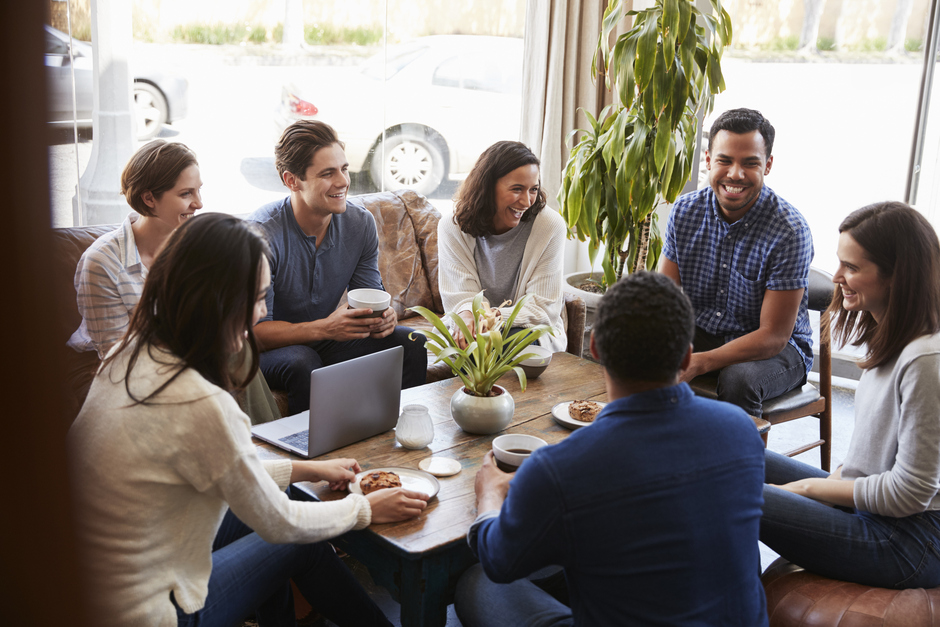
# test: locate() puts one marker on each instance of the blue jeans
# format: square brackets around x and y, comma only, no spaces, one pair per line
[248,574]
[749,384]
[537,601]
[844,544]
[288,368]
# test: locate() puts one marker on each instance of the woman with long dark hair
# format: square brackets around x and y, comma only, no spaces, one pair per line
[876,519]
[502,240]
[161,450]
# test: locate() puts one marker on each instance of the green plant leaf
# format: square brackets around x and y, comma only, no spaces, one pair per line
[646,49]
[670,26]
[661,147]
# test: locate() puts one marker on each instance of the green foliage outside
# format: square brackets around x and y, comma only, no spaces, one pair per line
[826,44]
[874,44]
[327,34]
[779,44]
[913,44]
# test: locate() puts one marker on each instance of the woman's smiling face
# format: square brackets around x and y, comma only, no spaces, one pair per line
[860,279]
[515,193]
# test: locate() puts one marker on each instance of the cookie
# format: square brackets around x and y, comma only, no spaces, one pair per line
[584,411]
[379,480]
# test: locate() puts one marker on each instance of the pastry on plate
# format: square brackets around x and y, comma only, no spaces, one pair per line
[379,480]
[584,411]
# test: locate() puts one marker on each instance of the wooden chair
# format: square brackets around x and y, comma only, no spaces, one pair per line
[807,401]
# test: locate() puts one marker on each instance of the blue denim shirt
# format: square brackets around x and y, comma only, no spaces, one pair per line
[307,279]
[653,511]
[725,269]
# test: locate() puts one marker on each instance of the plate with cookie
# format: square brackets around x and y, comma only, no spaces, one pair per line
[380,478]
[576,414]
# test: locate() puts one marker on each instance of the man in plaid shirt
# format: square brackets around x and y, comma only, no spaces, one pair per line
[742,255]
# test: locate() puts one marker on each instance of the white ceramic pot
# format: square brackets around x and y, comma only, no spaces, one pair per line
[590,298]
[482,414]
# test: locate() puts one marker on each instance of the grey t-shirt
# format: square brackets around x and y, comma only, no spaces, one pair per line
[499,259]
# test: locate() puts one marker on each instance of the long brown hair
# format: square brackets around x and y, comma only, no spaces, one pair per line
[198,298]
[475,203]
[901,242]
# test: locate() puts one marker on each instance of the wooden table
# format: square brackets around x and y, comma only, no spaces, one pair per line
[420,560]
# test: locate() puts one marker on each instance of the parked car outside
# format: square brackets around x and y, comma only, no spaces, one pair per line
[159,97]
[444,100]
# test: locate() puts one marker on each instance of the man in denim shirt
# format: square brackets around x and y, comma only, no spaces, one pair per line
[742,254]
[652,511]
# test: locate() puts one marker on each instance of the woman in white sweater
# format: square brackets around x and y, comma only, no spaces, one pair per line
[504,241]
[161,450]
[876,519]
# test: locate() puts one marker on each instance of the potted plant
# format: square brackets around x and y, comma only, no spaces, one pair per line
[638,154]
[481,406]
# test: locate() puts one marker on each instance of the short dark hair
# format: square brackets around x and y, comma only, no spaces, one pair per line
[475,203]
[154,168]
[199,297]
[741,121]
[643,328]
[904,246]
[298,143]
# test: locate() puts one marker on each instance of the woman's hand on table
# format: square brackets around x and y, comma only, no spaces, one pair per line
[395,504]
[338,472]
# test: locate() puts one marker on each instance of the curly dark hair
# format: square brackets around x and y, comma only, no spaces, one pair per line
[643,328]
[199,297]
[741,121]
[904,246]
[475,202]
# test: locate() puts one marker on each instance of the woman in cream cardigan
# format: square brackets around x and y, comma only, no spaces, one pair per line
[181,523]
[502,240]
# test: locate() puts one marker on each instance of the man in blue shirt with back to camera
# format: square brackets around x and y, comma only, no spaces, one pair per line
[742,254]
[321,245]
[652,511]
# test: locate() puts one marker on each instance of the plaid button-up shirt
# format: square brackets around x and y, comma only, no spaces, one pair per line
[725,269]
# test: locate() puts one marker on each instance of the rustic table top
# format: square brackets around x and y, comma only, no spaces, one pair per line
[450,513]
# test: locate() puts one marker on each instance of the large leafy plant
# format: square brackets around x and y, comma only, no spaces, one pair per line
[490,354]
[639,153]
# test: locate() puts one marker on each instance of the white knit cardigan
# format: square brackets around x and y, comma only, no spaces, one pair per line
[540,275]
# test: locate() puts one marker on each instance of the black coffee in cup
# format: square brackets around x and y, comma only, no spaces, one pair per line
[506,467]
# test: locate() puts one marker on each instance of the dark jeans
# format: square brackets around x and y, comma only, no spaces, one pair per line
[844,544]
[749,384]
[248,574]
[540,600]
[289,368]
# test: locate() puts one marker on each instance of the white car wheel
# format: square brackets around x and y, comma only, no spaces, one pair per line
[409,162]
[151,110]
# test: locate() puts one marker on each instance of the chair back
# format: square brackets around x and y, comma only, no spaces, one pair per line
[820,288]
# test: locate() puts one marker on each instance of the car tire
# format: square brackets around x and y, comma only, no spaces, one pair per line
[408,162]
[150,109]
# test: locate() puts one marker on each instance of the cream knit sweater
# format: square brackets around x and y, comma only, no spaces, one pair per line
[154,481]
[540,275]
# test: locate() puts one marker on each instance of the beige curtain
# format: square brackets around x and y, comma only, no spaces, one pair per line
[561,36]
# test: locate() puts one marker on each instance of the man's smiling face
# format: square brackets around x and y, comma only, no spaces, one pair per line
[737,164]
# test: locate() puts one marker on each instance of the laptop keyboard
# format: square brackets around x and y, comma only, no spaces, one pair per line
[298,440]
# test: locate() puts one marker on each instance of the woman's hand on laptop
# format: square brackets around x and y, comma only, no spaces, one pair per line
[394,504]
[339,472]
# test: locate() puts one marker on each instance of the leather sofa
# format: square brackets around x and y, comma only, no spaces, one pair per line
[407,226]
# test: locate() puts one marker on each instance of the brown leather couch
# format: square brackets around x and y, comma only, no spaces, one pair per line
[407,226]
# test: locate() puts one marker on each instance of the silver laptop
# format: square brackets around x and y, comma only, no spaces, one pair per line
[349,402]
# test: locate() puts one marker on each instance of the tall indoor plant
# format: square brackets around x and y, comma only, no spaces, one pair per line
[481,406]
[639,152]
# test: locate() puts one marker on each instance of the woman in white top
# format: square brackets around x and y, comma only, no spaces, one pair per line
[162,185]
[160,452]
[504,241]
[876,519]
